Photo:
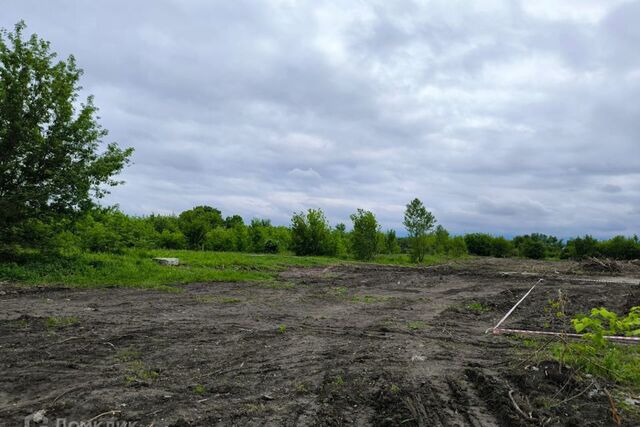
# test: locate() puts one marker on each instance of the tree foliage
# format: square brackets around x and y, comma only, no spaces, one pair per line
[52,160]
[364,238]
[310,234]
[418,221]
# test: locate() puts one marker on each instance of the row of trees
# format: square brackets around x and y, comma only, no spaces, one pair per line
[205,228]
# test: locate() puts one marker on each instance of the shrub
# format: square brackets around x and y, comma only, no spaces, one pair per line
[391,245]
[597,356]
[172,240]
[440,240]
[219,239]
[479,244]
[501,247]
[581,247]
[620,247]
[533,249]
[197,222]
[310,234]
[457,247]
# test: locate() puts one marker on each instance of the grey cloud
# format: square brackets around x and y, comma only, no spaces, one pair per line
[506,117]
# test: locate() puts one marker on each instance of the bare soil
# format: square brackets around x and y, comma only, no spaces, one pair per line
[355,344]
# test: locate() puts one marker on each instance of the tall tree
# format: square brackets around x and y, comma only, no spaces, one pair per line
[310,233]
[418,221]
[197,222]
[364,237]
[52,160]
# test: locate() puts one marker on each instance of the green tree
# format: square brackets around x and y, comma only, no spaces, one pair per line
[310,234]
[391,245]
[501,247]
[53,164]
[479,243]
[197,222]
[533,248]
[418,221]
[441,240]
[233,221]
[364,237]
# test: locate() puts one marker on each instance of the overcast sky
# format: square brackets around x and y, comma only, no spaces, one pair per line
[502,116]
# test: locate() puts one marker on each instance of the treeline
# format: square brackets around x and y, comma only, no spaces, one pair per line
[542,246]
[205,228]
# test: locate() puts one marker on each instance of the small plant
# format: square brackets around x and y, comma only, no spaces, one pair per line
[301,388]
[477,308]
[416,325]
[597,356]
[282,329]
[394,389]
[21,323]
[61,322]
[199,389]
[369,299]
[138,372]
[338,381]
[339,291]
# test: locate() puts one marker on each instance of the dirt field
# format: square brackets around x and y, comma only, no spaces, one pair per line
[363,345]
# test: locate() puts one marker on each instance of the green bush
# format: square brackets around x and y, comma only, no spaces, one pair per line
[580,248]
[457,247]
[479,244]
[597,356]
[501,247]
[171,240]
[620,247]
[310,234]
[219,239]
[533,249]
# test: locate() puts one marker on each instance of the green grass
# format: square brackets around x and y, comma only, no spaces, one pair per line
[416,325]
[478,308]
[404,259]
[61,322]
[136,268]
[369,299]
[617,362]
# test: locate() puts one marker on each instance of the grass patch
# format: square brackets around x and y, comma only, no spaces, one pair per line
[404,259]
[199,389]
[20,323]
[478,308]
[617,362]
[416,325]
[369,299]
[137,372]
[60,322]
[338,381]
[278,285]
[136,268]
[281,329]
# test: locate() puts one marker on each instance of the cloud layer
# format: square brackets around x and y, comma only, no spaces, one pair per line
[502,116]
